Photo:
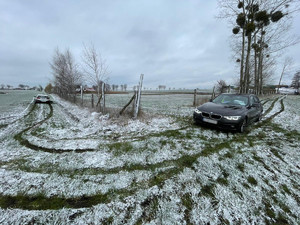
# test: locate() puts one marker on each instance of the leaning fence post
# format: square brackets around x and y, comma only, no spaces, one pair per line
[133,98]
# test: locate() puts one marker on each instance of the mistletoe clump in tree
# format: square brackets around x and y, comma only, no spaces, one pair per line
[251,23]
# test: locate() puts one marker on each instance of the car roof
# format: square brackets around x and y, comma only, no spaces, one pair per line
[238,94]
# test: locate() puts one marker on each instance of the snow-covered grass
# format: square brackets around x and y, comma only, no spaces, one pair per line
[66,165]
[14,102]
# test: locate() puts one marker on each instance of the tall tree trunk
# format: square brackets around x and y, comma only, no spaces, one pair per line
[247,66]
[261,74]
[255,69]
[242,63]
[260,64]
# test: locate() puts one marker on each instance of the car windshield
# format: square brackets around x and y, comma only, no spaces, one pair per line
[231,100]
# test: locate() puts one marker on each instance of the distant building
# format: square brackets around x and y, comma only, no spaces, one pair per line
[89,89]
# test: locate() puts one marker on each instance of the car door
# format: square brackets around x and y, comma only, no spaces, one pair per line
[253,110]
[257,107]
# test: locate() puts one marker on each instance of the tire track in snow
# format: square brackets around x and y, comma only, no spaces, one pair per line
[271,106]
[9,117]
[267,120]
[10,129]
[186,161]
[27,144]
[29,109]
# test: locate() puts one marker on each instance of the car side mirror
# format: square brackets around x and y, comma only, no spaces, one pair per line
[255,105]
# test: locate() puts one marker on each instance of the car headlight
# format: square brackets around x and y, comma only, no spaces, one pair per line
[232,117]
[198,111]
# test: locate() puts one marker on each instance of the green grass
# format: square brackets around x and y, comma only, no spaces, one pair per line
[285,188]
[187,202]
[241,167]
[3,125]
[150,209]
[229,155]
[163,142]
[275,218]
[252,180]
[121,148]
[207,190]
[38,131]
[276,153]
[222,181]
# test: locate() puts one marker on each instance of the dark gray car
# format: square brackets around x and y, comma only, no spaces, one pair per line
[230,111]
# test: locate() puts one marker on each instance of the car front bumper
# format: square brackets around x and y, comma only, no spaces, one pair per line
[220,123]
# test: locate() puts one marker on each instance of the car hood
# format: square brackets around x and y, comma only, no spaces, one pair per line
[224,110]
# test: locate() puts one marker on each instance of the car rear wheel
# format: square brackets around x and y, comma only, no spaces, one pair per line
[243,126]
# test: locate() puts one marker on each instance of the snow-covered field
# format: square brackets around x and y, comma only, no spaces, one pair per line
[62,164]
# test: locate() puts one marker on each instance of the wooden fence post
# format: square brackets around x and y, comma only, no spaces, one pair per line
[103,96]
[195,97]
[92,100]
[213,94]
[138,98]
[81,94]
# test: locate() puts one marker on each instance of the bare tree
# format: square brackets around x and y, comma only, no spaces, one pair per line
[161,87]
[296,80]
[287,63]
[221,86]
[48,88]
[22,86]
[95,68]
[66,73]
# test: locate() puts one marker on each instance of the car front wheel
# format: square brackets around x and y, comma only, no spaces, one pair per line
[259,118]
[243,126]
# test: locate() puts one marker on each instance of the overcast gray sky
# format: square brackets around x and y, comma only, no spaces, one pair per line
[177,43]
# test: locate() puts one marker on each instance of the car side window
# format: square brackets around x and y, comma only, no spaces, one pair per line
[251,100]
[256,100]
